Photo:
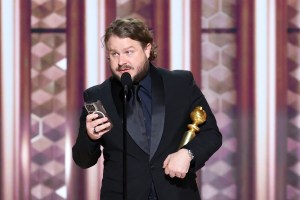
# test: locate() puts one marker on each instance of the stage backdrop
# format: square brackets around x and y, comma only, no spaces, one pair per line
[51,50]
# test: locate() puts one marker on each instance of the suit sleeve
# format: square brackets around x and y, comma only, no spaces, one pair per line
[209,139]
[85,151]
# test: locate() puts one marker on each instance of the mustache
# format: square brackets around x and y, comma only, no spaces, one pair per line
[123,67]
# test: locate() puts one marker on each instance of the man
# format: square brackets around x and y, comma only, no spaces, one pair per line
[156,169]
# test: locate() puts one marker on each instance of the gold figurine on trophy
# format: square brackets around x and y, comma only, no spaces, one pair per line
[198,116]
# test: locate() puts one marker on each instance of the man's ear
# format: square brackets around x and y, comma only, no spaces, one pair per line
[148,50]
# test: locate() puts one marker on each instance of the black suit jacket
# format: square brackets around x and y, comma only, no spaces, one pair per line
[174,96]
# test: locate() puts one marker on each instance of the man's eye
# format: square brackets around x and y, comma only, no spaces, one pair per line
[129,52]
[114,54]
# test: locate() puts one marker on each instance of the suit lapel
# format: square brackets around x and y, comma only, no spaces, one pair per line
[158,110]
[112,103]
[117,95]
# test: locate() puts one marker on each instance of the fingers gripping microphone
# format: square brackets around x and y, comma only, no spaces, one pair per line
[126,82]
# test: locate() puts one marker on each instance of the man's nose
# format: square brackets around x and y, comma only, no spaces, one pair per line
[122,60]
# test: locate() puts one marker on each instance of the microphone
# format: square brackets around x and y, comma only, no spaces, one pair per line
[126,81]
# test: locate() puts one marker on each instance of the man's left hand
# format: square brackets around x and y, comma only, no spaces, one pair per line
[177,164]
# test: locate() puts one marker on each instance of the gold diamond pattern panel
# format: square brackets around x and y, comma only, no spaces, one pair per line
[218,13]
[218,64]
[141,9]
[293,102]
[48,13]
[48,78]
[293,14]
[218,58]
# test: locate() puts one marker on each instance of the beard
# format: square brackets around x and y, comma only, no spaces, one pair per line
[143,71]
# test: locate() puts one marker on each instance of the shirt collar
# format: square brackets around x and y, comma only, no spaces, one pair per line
[146,83]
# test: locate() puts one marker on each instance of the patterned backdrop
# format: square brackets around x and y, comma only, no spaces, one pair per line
[48,93]
[293,102]
[218,66]
[48,100]
[218,176]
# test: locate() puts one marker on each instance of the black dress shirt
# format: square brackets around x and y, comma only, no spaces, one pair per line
[145,96]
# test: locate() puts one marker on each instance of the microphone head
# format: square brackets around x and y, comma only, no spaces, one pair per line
[126,79]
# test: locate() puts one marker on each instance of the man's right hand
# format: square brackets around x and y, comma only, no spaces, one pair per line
[96,127]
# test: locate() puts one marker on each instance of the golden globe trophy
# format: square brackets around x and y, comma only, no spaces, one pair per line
[198,116]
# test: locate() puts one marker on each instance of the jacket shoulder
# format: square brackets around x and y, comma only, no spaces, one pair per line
[92,92]
[176,77]
[98,87]
[175,73]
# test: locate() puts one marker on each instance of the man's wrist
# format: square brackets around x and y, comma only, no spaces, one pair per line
[191,154]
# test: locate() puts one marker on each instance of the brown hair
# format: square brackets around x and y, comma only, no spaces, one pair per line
[134,29]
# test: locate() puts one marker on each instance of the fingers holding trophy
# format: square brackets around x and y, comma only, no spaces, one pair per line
[198,116]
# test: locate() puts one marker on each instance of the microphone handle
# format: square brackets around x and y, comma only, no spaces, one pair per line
[125,143]
[125,91]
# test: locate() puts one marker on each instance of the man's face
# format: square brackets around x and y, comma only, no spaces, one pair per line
[127,55]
